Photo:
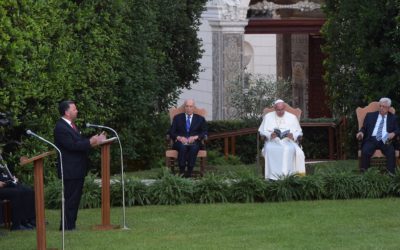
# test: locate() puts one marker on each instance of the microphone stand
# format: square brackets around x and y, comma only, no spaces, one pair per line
[29,132]
[122,170]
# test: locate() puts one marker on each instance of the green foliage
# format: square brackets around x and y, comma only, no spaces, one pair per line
[373,184]
[341,185]
[135,193]
[286,188]
[312,187]
[246,153]
[91,194]
[247,187]
[121,61]
[52,193]
[362,41]
[171,190]
[249,99]
[314,143]
[216,158]
[394,185]
[210,189]
[162,52]
[242,186]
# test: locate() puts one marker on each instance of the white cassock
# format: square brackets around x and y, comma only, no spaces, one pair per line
[282,157]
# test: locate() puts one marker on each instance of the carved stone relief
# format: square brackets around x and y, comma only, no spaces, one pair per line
[300,71]
[227,67]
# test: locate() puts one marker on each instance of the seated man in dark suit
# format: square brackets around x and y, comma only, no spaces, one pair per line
[187,131]
[378,129]
[22,200]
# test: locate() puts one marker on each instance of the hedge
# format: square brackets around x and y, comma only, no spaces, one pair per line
[244,187]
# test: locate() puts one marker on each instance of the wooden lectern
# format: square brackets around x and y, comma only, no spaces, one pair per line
[105,186]
[39,196]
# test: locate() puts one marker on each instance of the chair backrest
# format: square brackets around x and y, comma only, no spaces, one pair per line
[288,108]
[174,111]
[372,107]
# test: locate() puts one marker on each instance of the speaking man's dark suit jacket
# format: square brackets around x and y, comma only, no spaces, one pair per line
[369,143]
[74,149]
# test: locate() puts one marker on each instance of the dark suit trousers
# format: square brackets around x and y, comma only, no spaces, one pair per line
[72,193]
[368,150]
[187,155]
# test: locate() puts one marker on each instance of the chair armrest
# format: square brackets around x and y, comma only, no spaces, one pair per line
[263,139]
[168,141]
[203,142]
[359,143]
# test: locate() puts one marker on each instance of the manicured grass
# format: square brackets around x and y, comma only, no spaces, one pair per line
[340,224]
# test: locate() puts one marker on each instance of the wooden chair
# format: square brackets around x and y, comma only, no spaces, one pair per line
[361,113]
[6,216]
[171,155]
[261,139]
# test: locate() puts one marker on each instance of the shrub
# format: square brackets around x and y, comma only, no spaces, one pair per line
[171,190]
[52,193]
[341,185]
[91,196]
[210,189]
[216,158]
[248,100]
[135,193]
[247,187]
[312,187]
[373,184]
[285,189]
[394,184]
[246,146]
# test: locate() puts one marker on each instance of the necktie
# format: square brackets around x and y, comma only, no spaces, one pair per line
[74,126]
[380,128]
[188,124]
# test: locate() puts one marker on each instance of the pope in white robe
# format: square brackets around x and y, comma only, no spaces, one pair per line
[282,156]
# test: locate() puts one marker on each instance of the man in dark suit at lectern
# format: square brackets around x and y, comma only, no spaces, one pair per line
[187,131]
[378,129]
[74,149]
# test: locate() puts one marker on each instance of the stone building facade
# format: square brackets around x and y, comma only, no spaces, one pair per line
[279,38]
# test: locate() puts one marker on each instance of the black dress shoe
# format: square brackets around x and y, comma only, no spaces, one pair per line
[67,228]
[28,225]
[33,222]
[19,227]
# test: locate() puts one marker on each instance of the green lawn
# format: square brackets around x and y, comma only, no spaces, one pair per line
[342,224]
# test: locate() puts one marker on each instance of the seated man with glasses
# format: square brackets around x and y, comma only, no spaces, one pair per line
[379,128]
[187,131]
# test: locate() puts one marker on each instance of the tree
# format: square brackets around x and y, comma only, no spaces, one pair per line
[362,40]
[123,62]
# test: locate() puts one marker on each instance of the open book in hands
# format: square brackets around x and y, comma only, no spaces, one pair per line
[281,134]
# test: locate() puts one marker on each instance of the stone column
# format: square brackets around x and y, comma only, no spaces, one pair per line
[228,20]
[300,67]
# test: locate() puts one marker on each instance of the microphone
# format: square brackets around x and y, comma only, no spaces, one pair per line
[88,125]
[29,132]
